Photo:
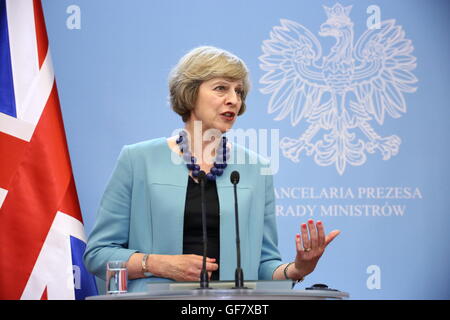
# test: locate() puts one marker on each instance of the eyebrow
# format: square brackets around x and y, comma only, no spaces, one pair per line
[239,82]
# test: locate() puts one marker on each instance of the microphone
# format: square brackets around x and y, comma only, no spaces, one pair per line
[204,280]
[239,274]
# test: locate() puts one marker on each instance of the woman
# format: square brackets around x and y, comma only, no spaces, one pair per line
[150,213]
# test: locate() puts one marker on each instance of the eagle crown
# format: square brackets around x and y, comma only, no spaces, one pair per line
[340,26]
[338,21]
[338,12]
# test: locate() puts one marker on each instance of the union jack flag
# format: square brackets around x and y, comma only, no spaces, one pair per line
[42,237]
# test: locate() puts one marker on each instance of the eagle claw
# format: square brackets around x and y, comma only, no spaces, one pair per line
[292,148]
[389,146]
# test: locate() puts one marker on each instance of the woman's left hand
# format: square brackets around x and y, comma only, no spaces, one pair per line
[311,247]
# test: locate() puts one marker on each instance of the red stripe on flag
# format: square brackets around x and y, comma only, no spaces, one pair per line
[70,204]
[44,295]
[11,150]
[35,195]
[41,32]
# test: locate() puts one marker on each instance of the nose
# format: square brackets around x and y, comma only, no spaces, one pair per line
[233,98]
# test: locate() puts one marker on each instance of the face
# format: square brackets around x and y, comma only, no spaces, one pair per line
[218,104]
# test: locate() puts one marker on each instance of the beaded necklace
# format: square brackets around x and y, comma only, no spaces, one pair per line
[222,155]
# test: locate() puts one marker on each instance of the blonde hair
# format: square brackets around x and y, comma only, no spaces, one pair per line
[203,64]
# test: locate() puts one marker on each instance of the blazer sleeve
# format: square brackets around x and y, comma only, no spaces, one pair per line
[270,255]
[108,240]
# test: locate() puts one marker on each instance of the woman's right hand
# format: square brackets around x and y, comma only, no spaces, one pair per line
[184,267]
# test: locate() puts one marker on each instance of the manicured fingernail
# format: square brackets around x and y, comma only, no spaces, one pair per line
[319,223]
[311,221]
[304,225]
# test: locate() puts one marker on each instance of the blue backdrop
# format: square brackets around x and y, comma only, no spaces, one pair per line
[380,175]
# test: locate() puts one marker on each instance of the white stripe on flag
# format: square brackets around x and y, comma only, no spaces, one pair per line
[16,127]
[35,103]
[23,45]
[39,91]
[3,193]
[53,268]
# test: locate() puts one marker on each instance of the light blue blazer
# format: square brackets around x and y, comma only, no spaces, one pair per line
[142,210]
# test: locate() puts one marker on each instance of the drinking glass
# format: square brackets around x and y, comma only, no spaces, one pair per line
[116,277]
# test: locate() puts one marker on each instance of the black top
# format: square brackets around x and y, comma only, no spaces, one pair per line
[193,234]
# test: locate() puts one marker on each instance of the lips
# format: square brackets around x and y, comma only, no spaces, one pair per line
[228,115]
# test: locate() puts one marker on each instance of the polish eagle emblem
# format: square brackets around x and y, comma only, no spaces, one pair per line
[337,97]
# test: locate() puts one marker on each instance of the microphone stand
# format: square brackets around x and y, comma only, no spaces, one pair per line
[204,279]
[239,273]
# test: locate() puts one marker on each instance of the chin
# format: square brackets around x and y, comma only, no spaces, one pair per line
[225,129]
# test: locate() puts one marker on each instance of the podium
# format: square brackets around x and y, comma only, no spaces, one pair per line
[222,290]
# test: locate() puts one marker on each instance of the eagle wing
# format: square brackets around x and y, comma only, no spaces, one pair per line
[384,71]
[292,76]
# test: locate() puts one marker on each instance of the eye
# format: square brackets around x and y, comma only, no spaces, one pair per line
[220,88]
